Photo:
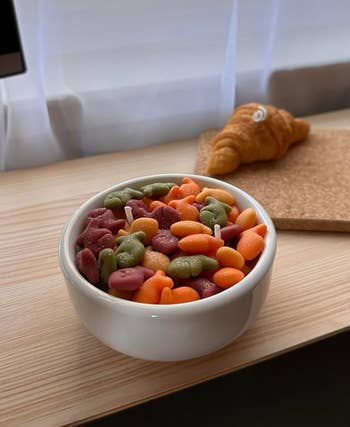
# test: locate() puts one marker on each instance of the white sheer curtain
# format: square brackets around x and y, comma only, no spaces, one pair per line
[294,54]
[111,75]
[108,75]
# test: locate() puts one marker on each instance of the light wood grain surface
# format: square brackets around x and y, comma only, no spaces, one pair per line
[53,372]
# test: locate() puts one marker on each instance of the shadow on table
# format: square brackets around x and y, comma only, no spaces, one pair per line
[307,387]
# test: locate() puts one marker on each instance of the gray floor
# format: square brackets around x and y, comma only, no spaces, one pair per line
[308,387]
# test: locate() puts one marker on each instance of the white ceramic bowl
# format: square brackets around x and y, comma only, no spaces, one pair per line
[167,332]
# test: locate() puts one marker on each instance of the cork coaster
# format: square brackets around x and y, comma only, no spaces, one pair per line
[308,189]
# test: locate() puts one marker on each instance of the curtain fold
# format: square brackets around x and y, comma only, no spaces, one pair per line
[28,138]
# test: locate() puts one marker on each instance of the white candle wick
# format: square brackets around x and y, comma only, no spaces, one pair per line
[128,214]
[260,114]
[217,231]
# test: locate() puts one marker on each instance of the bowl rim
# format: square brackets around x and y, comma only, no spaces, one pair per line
[247,284]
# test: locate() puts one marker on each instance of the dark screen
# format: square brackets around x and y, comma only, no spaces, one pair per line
[11,56]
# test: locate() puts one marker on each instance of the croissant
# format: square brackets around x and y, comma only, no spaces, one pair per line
[247,138]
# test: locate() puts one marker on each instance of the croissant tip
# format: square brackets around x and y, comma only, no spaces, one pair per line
[302,128]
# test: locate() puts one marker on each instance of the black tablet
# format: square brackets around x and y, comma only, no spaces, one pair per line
[11,53]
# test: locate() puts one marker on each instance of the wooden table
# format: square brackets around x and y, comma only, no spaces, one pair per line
[53,372]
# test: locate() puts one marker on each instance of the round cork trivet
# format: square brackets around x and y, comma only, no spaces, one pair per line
[308,189]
